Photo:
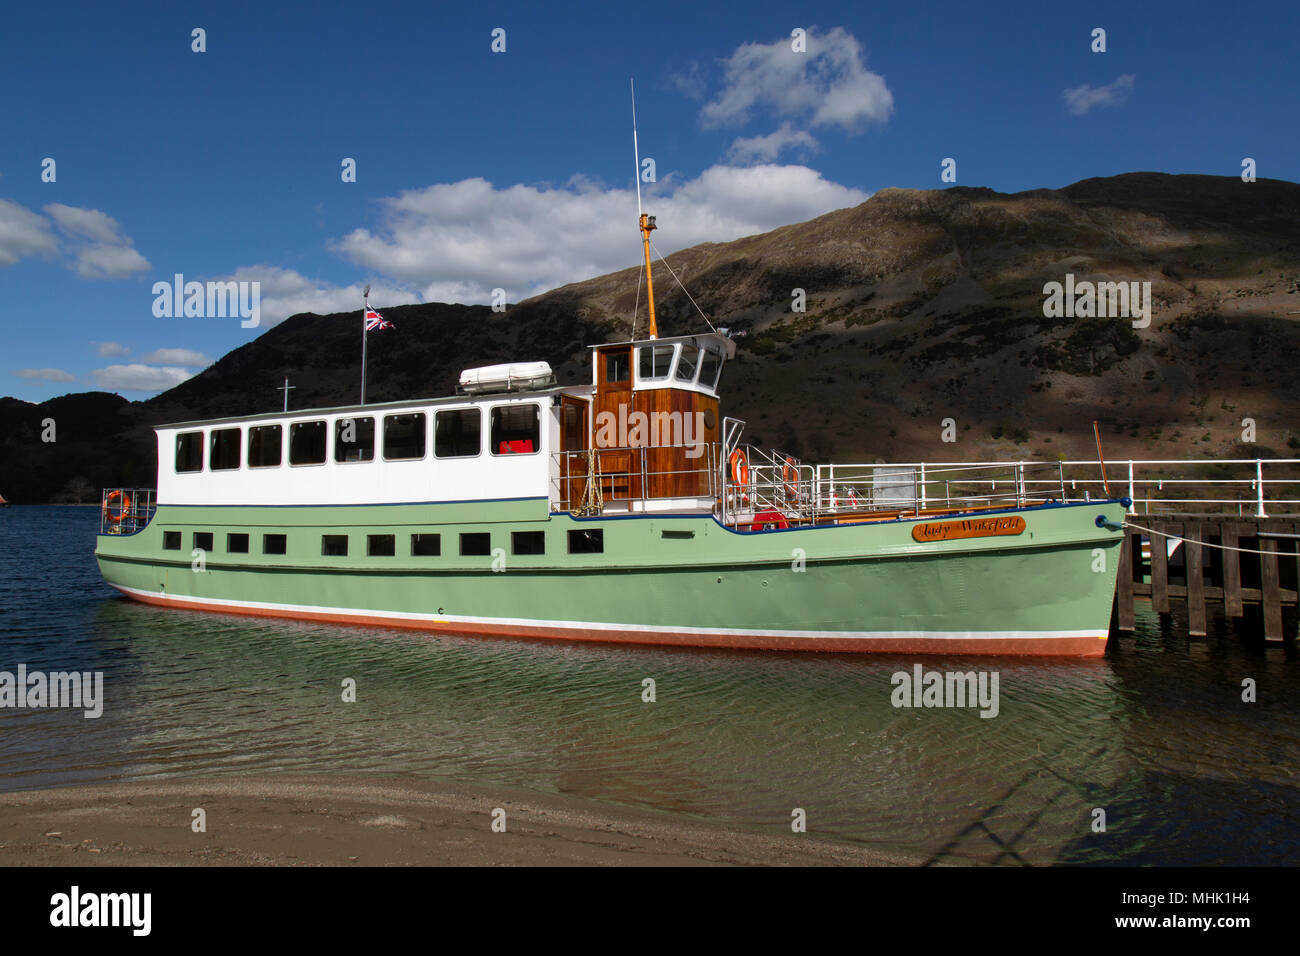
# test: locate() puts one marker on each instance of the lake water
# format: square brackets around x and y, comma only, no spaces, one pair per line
[1156,734]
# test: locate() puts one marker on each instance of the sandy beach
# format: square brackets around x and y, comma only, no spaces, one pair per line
[338,821]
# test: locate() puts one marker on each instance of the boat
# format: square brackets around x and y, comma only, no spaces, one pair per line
[626,509]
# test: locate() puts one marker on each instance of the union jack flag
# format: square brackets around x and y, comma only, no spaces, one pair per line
[375,321]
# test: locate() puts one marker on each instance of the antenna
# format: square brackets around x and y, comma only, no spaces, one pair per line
[646,223]
[636,151]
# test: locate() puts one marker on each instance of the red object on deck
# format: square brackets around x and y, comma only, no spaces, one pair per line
[767,520]
[522,447]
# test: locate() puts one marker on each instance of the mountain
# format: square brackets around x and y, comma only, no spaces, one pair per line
[921,305]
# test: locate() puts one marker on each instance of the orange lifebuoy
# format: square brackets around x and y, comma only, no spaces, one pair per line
[790,476]
[112,496]
[770,519]
[739,468]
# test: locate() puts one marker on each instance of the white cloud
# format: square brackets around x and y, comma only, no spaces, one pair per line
[690,82]
[285,292]
[1080,100]
[176,357]
[46,374]
[111,349]
[86,223]
[458,241]
[140,378]
[828,85]
[101,248]
[23,233]
[100,261]
[769,147]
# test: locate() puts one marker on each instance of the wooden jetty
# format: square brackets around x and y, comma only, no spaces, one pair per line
[1203,559]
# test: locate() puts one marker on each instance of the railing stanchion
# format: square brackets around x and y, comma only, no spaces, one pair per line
[1259,487]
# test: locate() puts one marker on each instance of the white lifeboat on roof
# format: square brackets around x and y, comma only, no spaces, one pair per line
[512,377]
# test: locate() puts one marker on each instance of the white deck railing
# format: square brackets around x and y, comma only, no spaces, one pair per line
[1257,486]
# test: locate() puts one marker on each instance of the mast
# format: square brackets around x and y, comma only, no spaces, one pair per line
[646,223]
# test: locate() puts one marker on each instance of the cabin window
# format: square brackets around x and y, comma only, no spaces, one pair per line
[456,433]
[203,540]
[237,543]
[307,443]
[224,453]
[334,545]
[171,540]
[618,366]
[403,437]
[189,452]
[265,446]
[587,541]
[426,545]
[710,366]
[656,362]
[476,544]
[381,545]
[528,542]
[516,430]
[354,439]
[274,543]
[687,363]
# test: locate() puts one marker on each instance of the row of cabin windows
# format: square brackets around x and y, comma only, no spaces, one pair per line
[515,429]
[472,543]
[655,364]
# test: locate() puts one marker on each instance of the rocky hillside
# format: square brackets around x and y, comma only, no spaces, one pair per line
[920,306]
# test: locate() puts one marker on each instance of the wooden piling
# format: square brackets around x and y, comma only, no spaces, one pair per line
[1125,612]
[1232,605]
[1270,584]
[1160,570]
[1195,580]
[1234,579]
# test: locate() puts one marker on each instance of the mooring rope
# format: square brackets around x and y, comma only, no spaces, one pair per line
[1205,544]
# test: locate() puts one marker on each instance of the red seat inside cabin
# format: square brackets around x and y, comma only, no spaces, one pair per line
[523,446]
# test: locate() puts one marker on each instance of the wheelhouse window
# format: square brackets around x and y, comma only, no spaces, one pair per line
[404,437]
[189,452]
[334,545]
[274,543]
[224,449]
[516,430]
[656,362]
[710,366]
[687,364]
[354,439]
[265,446]
[618,366]
[307,443]
[381,545]
[172,540]
[203,540]
[476,543]
[457,433]
[237,543]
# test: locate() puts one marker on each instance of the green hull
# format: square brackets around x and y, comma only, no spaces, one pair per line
[660,579]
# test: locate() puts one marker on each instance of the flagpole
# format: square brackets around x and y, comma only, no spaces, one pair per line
[364,309]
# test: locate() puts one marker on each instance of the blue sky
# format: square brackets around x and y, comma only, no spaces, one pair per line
[479,170]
